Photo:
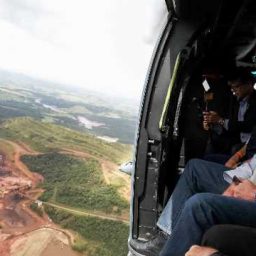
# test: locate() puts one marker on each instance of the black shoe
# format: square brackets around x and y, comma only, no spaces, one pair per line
[150,248]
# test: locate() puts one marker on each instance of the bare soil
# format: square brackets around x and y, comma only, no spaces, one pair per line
[43,242]
[22,231]
[55,247]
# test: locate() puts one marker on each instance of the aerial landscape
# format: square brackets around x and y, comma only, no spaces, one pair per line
[61,192]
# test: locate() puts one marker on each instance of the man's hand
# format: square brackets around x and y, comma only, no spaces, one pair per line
[245,190]
[231,164]
[211,117]
[230,190]
[206,126]
[196,250]
[234,160]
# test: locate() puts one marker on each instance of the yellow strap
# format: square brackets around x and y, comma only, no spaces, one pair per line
[168,95]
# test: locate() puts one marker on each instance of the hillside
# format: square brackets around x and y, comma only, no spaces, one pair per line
[67,143]
[98,237]
[77,183]
[45,137]
[111,119]
[72,164]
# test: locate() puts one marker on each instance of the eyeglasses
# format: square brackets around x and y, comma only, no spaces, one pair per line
[235,86]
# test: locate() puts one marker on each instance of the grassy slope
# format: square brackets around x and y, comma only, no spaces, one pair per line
[99,237]
[102,237]
[18,102]
[76,183]
[46,137]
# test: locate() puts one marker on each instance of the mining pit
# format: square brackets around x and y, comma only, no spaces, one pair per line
[22,231]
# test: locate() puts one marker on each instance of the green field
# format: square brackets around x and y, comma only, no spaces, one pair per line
[45,137]
[99,237]
[25,97]
[45,117]
[76,183]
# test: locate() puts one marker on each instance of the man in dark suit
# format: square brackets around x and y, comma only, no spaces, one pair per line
[230,132]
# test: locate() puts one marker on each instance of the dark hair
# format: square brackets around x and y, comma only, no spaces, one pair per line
[241,74]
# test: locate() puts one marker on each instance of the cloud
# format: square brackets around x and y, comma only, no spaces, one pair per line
[156,16]
[92,44]
[23,13]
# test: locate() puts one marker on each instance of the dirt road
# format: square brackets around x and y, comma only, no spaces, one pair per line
[89,213]
[21,227]
[17,219]
[20,149]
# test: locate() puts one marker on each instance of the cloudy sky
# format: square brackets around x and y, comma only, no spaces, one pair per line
[102,45]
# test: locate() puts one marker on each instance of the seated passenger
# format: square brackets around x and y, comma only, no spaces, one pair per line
[231,132]
[226,240]
[202,198]
[245,152]
[195,137]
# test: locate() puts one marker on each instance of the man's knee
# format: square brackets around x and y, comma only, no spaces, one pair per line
[193,165]
[194,162]
[199,201]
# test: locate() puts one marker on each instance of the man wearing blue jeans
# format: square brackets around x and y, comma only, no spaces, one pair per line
[197,204]
[202,198]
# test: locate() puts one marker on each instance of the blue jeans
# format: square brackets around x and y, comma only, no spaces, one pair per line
[197,204]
